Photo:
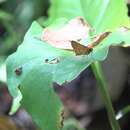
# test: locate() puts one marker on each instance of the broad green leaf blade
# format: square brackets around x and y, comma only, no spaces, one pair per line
[34,64]
[105,14]
[29,45]
[34,31]
[40,100]
[69,68]
[64,9]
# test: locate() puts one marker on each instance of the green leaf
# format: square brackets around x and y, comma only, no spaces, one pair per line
[40,100]
[64,9]
[37,75]
[40,50]
[69,68]
[106,14]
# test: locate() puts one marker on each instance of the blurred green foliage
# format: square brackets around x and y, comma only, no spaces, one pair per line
[15,18]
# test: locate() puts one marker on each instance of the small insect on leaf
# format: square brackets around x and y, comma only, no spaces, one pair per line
[18,71]
[80,49]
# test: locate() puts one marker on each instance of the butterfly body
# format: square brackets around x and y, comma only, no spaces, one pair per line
[80,49]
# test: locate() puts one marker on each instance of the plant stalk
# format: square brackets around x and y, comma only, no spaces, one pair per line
[97,69]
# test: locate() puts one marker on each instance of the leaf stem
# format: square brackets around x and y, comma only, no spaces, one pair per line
[96,67]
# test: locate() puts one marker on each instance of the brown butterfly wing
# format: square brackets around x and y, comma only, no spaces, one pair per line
[80,49]
[100,38]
